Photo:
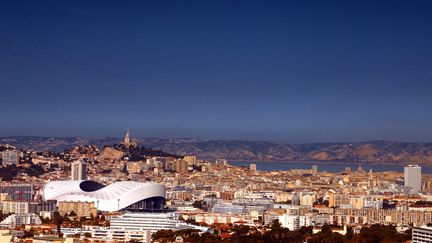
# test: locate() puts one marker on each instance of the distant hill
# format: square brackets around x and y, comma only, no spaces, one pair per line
[55,144]
[361,152]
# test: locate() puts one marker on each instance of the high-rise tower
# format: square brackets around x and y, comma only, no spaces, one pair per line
[412,177]
[78,170]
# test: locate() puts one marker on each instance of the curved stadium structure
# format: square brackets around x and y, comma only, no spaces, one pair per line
[125,195]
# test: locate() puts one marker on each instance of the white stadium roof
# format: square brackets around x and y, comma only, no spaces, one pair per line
[109,198]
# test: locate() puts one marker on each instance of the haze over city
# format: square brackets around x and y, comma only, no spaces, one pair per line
[313,71]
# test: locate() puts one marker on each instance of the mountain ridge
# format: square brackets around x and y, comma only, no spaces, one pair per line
[379,151]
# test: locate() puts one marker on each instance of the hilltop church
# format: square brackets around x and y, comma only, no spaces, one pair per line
[127,140]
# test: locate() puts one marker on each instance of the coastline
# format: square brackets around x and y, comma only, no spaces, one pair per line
[329,167]
[325,162]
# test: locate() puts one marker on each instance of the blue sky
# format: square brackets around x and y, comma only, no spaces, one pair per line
[297,71]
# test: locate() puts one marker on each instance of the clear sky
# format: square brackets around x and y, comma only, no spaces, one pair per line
[297,71]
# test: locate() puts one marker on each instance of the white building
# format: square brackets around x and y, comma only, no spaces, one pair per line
[294,222]
[14,220]
[341,230]
[314,170]
[135,226]
[10,157]
[373,203]
[78,170]
[412,177]
[421,234]
[320,219]
[107,234]
[67,232]
[129,195]
[141,221]
[121,234]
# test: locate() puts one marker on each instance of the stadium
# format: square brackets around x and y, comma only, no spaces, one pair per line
[125,195]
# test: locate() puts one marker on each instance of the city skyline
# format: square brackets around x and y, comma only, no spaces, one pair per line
[295,72]
[144,192]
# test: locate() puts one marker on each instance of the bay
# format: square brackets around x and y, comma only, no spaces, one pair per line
[329,167]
